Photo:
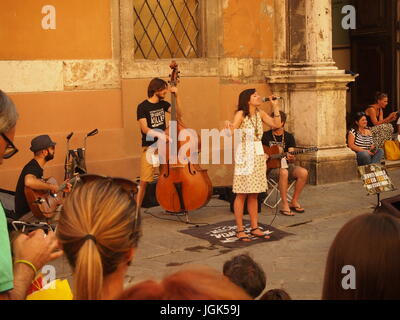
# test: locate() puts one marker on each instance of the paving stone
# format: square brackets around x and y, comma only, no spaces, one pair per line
[295,263]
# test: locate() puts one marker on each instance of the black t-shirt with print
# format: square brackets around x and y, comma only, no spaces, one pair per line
[21,205]
[268,140]
[154,113]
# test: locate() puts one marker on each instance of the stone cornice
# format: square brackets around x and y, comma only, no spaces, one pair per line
[336,77]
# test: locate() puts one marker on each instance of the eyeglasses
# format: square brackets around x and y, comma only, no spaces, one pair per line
[360,114]
[131,189]
[11,149]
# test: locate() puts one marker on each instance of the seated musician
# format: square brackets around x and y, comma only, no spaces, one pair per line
[286,142]
[43,149]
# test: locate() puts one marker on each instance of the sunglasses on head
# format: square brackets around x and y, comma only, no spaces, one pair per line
[11,149]
[360,114]
[129,186]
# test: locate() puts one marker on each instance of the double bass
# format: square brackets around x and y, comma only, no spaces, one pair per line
[182,185]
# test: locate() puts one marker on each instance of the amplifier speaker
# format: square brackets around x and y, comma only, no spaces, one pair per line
[150,199]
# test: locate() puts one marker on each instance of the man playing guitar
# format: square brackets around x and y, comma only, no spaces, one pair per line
[31,176]
[286,142]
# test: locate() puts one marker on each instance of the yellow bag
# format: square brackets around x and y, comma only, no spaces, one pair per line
[56,290]
[392,150]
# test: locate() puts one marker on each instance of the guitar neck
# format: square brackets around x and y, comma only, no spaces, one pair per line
[173,107]
[64,185]
[300,151]
[279,156]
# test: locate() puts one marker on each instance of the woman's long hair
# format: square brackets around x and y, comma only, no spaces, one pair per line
[371,244]
[104,210]
[244,99]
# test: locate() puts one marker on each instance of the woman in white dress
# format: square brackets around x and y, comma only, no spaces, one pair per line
[250,161]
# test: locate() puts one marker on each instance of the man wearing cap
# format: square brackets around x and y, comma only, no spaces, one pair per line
[31,176]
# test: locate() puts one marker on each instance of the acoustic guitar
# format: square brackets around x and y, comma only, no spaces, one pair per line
[43,203]
[275,155]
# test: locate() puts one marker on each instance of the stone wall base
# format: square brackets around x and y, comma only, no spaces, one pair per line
[330,166]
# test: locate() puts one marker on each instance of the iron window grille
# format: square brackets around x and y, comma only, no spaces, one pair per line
[167,29]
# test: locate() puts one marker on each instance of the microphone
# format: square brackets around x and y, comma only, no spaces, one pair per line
[265,99]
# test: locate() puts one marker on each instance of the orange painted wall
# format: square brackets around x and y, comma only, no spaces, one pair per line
[83,30]
[68,111]
[59,113]
[115,151]
[248,29]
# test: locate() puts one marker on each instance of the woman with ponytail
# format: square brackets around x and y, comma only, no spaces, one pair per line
[99,230]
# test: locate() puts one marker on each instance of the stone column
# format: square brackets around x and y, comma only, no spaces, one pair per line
[315,90]
[280,34]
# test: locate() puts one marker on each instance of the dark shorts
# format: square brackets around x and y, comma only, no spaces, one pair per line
[274,173]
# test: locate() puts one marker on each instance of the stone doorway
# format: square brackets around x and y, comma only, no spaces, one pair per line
[371,50]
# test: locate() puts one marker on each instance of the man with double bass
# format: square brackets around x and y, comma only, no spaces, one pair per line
[286,142]
[152,122]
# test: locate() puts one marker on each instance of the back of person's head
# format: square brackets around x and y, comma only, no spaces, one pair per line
[364,261]
[243,271]
[189,284]
[8,113]
[276,294]
[98,229]
[155,85]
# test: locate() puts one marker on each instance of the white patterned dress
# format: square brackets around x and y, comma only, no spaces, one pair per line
[250,168]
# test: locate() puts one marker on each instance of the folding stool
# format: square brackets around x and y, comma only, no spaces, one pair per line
[273,197]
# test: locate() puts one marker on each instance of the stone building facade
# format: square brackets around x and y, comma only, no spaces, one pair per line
[71,66]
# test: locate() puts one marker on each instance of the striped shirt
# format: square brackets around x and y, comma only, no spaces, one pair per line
[362,141]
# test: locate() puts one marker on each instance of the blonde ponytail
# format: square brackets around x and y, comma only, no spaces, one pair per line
[88,280]
[97,229]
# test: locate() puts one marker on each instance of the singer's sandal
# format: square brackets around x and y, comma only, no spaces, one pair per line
[245,238]
[263,235]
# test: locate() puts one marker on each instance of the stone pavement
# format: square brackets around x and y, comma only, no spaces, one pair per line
[295,263]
